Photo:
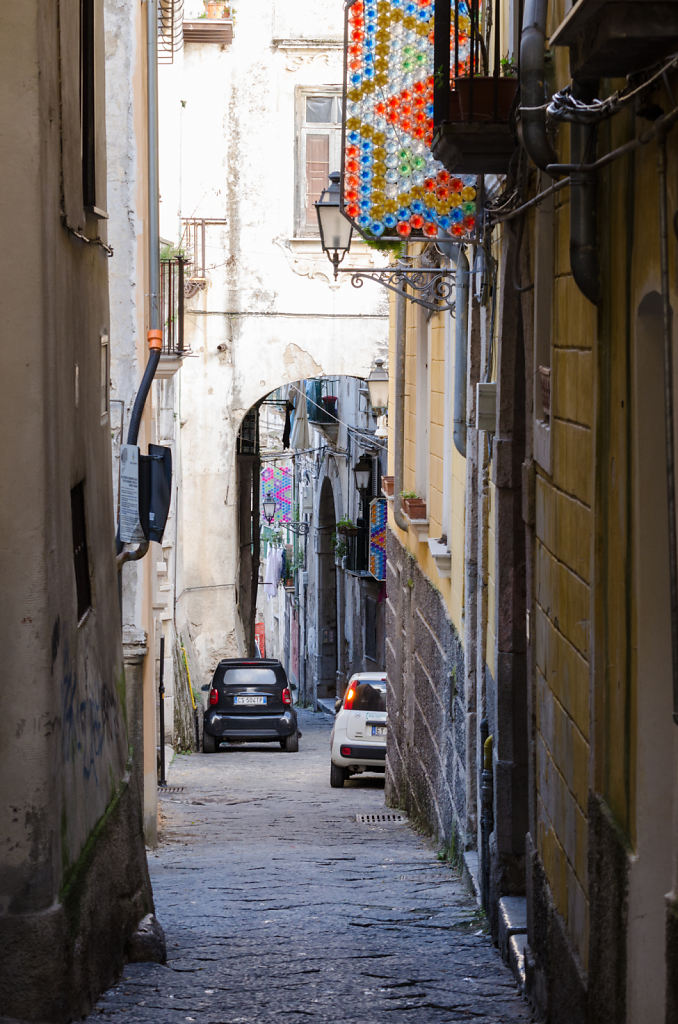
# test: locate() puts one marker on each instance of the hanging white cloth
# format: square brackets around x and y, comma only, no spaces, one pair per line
[272,570]
[300,437]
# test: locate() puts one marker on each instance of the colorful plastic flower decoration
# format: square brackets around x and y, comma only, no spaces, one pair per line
[392,185]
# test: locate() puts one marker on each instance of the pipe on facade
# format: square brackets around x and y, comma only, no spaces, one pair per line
[399,425]
[155,329]
[461,350]
[668,415]
[532,124]
[583,234]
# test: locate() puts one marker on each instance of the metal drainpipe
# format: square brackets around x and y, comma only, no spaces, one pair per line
[668,416]
[583,235]
[532,125]
[154,326]
[461,350]
[399,426]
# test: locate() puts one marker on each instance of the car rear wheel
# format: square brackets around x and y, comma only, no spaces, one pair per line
[291,743]
[209,743]
[338,776]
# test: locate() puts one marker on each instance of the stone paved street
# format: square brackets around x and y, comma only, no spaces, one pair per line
[278,905]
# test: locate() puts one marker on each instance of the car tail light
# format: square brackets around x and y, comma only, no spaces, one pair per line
[286,696]
[349,698]
[214,696]
[345,751]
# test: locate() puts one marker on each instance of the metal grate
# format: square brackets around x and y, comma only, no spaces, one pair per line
[170,29]
[170,789]
[384,818]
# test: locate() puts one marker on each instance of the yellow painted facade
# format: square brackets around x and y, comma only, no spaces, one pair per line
[558,517]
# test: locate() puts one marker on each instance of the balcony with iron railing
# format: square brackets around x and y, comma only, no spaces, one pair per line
[475,89]
[194,244]
[172,311]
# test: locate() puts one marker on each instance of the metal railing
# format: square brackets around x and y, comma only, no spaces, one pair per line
[172,305]
[194,244]
[170,29]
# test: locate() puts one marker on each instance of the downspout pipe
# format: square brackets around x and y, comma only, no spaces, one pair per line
[399,426]
[669,414]
[583,233]
[532,124]
[461,350]
[454,251]
[154,325]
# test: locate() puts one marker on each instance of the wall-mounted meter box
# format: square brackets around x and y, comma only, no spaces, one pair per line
[486,407]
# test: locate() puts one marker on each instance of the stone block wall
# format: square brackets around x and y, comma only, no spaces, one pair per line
[425,773]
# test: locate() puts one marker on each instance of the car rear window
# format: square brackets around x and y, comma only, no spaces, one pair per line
[249,677]
[370,697]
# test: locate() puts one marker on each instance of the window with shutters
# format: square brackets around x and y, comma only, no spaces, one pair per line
[319,151]
[80,554]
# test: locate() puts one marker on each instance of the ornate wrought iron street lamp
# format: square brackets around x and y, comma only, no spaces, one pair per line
[431,287]
[377,384]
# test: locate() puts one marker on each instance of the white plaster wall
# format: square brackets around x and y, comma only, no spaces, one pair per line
[270,313]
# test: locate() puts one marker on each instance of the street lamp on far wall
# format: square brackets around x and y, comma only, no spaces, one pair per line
[377,382]
[335,229]
[268,508]
[363,472]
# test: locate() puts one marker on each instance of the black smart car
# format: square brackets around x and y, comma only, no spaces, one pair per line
[250,702]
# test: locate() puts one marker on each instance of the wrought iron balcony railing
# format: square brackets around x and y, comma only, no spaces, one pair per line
[172,305]
[475,88]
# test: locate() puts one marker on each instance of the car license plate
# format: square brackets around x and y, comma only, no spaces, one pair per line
[247,699]
[378,730]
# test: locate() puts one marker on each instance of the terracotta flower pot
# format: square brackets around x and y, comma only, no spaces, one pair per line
[415,508]
[387,486]
[348,531]
[482,99]
[217,9]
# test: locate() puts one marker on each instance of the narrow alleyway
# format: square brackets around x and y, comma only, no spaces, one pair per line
[278,904]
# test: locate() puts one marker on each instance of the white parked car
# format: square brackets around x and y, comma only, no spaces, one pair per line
[358,740]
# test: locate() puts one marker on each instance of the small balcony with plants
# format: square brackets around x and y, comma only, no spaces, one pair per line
[215,24]
[475,89]
[322,406]
[172,275]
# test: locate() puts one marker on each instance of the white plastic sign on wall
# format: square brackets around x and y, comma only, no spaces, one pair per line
[130,522]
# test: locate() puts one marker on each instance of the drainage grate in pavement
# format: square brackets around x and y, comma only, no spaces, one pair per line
[387,818]
[170,789]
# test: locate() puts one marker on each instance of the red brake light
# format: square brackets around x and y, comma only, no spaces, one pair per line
[286,696]
[345,751]
[349,698]
[214,696]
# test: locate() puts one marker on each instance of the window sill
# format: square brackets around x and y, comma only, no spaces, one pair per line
[442,556]
[419,527]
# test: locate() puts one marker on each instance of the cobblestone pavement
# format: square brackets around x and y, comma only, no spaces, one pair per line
[278,905]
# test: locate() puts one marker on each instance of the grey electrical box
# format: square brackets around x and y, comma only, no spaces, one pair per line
[486,407]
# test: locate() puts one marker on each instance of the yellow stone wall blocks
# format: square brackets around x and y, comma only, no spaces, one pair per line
[574,319]
[572,453]
[572,398]
[565,668]
[561,523]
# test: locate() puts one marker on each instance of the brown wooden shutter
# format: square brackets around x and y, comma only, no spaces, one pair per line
[317,172]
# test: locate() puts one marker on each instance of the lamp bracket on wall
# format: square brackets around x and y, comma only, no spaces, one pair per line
[301,529]
[430,287]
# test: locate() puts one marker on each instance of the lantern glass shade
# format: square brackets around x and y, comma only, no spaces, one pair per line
[268,506]
[377,382]
[335,228]
[363,473]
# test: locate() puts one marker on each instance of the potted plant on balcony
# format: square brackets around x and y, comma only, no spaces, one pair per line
[347,528]
[482,99]
[340,546]
[387,486]
[414,506]
[217,9]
